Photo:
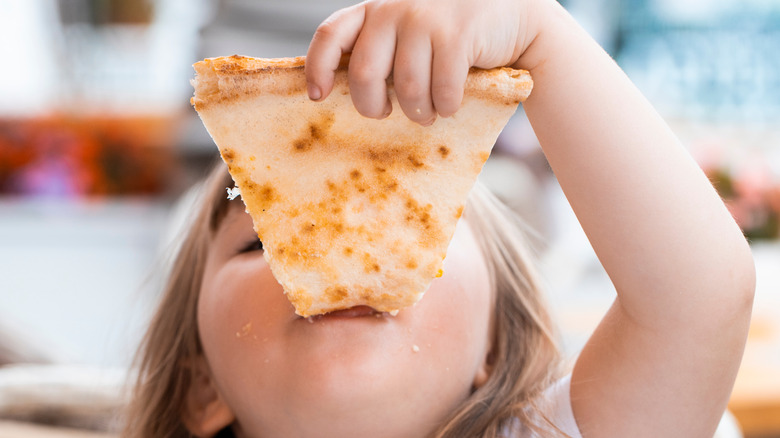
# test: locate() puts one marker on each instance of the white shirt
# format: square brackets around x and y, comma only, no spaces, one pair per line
[555,406]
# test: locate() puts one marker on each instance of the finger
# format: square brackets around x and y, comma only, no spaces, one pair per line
[335,36]
[369,67]
[412,78]
[450,70]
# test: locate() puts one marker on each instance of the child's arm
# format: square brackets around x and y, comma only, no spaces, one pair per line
[663,361]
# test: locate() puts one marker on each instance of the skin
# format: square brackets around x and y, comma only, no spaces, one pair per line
[661,363]
[281,375]
[664,359]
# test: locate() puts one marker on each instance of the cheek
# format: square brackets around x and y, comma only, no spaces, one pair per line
[463,314]
[236,295]
[240,316]
[457,309]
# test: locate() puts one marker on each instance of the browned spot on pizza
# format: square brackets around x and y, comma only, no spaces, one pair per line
[459,212]
[384,296]
[334,294]
[420,217]
[234,170]
[411,264]
[267,194]
[444,151]
[381,186]
[370,264]
[408,156]
[415,161]
[287,253]
[383,156]
[316,132]
[348,251]
[248,185]
[301,145]
[479,160]
[319,129]
[257,197]
[305,248]
[358,182]
[253,158]
[301,300]
[416,212]
[228,154]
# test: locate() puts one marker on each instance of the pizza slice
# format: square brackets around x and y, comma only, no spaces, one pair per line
[351,210]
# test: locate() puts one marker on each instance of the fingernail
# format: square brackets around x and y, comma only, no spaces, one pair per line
[429,122]
[314,92]
[388,110]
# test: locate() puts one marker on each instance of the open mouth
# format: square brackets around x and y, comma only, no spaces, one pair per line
[352,312]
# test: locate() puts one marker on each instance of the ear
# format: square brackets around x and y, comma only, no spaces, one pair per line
[485,369]
[482,375]
[205,413]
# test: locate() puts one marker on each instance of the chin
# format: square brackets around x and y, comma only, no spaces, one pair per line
[383,394]
[358,409]
[344,371]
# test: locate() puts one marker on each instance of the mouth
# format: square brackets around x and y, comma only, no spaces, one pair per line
[350,313]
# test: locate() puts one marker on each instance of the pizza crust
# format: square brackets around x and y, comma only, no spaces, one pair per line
[220,80]
[351,210]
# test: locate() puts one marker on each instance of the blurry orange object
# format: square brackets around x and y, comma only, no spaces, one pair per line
[752,195]
[64,156]
[755,401]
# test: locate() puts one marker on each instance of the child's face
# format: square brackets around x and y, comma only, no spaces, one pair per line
[282,375]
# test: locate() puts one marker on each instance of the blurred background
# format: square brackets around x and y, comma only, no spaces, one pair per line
[99,148]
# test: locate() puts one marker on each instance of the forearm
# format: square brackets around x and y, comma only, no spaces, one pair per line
[664,359]
[663,235]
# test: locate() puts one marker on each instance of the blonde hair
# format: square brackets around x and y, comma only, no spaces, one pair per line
[524,358]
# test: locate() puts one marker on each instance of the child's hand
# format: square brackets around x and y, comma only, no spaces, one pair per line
[428,47]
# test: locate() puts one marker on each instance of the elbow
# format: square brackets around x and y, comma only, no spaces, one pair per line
[747,282]
[740,282]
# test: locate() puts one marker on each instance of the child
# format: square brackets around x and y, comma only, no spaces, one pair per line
[226,355]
